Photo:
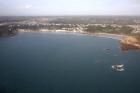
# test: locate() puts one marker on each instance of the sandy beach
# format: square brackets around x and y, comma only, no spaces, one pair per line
[123,39]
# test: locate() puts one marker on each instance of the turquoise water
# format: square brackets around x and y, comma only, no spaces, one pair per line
[66,63]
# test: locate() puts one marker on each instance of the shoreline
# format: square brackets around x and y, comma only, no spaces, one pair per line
[106,35]
[123,39]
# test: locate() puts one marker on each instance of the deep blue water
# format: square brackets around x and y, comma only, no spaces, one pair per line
[66,63]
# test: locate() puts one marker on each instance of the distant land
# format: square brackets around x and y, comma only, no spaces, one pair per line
[127,26]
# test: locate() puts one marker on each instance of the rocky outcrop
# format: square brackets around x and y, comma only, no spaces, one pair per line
[7,30]
[130,43]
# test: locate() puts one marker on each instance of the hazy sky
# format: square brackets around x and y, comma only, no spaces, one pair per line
[69,7]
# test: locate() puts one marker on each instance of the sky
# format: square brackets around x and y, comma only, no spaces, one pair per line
[68,7]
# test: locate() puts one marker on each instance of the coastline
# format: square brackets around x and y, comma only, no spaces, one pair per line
[106,35]
[129,42]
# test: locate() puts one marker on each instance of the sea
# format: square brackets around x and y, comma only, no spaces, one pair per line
[48,62]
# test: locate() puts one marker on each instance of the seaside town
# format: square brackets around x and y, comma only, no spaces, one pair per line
[115,25]
[73,24]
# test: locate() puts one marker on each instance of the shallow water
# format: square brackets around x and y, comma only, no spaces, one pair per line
[66,63]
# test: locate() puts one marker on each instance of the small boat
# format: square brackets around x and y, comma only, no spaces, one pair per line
[108,49]
[118,67]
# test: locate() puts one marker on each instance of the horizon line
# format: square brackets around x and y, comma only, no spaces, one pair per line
[58,15]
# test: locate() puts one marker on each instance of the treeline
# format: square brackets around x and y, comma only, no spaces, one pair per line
[109,29]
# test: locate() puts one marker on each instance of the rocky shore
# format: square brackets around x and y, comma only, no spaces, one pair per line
[130,42]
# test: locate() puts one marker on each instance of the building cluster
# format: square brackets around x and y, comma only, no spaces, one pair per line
[45,25]
[136,28]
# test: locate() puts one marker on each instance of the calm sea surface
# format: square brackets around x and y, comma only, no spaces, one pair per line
[66,63]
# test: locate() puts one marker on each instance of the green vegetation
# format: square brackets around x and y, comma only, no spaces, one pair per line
[125,30]
[110,29]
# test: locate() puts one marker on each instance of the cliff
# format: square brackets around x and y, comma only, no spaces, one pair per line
[130,43]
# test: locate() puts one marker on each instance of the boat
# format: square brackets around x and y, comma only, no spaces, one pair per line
[118,67]
[107,49]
